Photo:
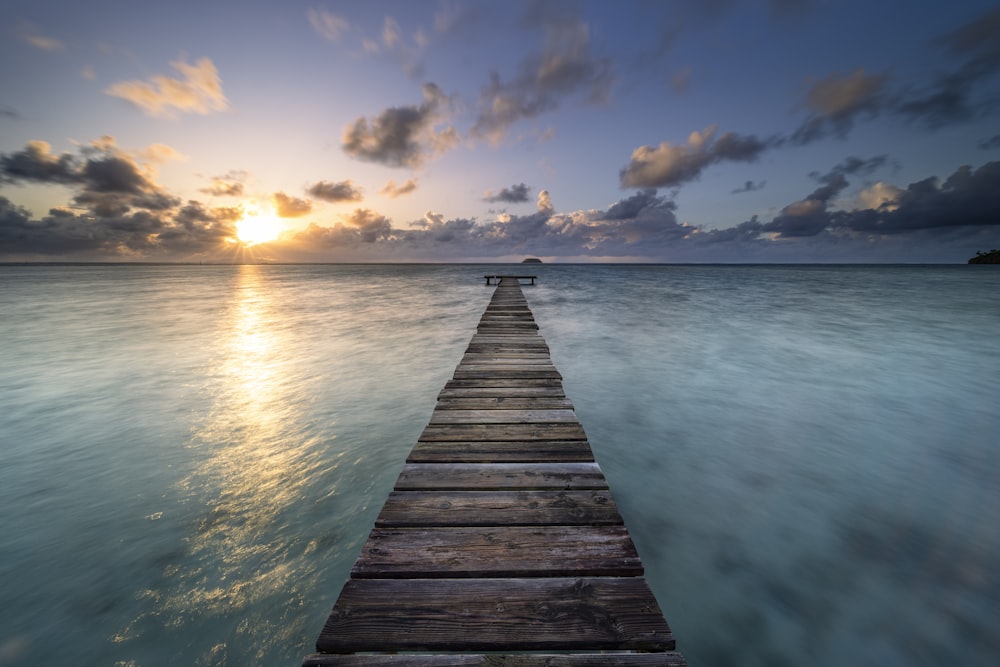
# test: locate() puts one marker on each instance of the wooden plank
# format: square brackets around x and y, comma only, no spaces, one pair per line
[503,382]
[541,451]
[506,432]
[549,391]
[525,614]
[544,551]
[513,357]
[504,403]
[500,476]
[503,417]
[603,659]
[404,509]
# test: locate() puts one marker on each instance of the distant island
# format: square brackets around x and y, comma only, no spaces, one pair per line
[991,257]
[531,260]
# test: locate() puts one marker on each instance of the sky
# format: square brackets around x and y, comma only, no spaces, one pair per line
[439,130]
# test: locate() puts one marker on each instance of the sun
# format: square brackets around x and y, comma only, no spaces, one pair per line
[258,226]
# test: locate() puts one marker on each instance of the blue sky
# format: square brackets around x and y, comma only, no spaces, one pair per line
[674,131]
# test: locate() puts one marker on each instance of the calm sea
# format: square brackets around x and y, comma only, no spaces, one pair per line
[807,456]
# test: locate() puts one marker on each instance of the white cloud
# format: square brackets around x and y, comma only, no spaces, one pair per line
[197,90]
[329,26]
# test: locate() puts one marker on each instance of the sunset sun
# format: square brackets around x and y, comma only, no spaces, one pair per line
[258,226]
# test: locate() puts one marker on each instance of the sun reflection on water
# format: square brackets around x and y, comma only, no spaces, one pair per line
[258,456]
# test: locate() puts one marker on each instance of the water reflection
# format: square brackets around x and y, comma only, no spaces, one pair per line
[256,455]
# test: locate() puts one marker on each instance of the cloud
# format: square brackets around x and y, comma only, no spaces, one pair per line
[544,203]
[198,90]
[108,181]
[161,153]
[290,207]
[955,96]
[335,192]
[228,185]
[392,190]
[668,165]
[991,143]
[329,26]
[967,198]
[566,68]
[188,231]
[748,186]
[515,194]
[811,215]
[36,162]
[681,80]
[952,96]
[31,35]
[403,136]
[392,42]
[8,112]
[836,101]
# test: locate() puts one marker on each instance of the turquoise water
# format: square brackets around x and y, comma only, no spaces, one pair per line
[191,457]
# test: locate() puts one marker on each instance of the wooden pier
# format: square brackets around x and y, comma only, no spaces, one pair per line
[500,544]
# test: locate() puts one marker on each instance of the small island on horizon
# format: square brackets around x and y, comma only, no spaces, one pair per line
[991,257]
[531,260]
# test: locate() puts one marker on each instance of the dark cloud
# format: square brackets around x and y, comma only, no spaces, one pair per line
[565,68]
[361,226]
[344,191]
[229,185]
[192,230]
[812,215]
[8,112]
[290,207]
[515,194]
[967,198]
[748,186]
[836,101]
[36,163]
[952,97]
[668,165]
[392,190]
[110,183]
[402,136]
[631,207]
[955,96]
[991,143]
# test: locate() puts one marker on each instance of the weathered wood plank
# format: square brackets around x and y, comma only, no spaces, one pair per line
[505,432]
[500,476]
[404,509]
[515,358]
[541,451]
[603,659]
[503,382]
[546,551]
[502,393]
[526,614]
[503,417]
[504,403]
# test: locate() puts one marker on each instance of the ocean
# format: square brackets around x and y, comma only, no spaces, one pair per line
[806,456]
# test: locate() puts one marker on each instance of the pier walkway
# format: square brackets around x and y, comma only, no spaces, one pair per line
[500,544]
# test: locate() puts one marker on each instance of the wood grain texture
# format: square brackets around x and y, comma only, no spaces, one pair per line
[536,402]
[500,544]
[501,432]
[498,508]
[500,476]
[510,451]
[523,614]
[544,551]
[503,417]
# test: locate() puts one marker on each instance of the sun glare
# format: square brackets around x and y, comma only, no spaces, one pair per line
[257,226]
